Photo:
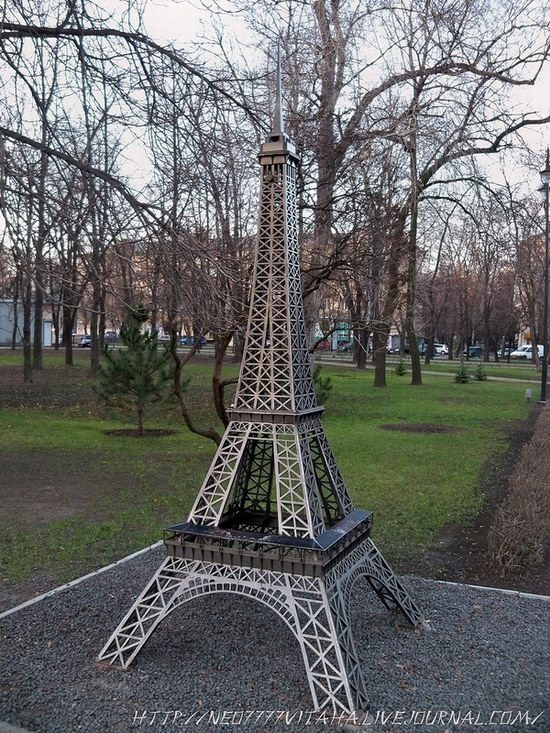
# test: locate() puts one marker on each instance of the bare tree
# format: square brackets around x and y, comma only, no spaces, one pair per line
[18,213]
[402,97]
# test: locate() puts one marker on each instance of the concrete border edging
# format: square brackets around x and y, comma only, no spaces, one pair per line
[72,583]
[507,591]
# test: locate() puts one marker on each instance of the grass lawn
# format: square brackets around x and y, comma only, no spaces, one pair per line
[75,498]
[416,482]
[51,358]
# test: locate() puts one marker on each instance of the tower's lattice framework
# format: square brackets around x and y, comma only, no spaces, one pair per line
[273,519]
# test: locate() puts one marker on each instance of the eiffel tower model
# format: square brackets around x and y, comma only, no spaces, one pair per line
[273,519]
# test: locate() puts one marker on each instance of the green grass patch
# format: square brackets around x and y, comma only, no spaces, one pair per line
[50,358]
[415,482]
[68,547]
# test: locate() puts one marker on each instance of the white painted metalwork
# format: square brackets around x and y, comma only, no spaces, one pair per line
[273,519]
[315,609]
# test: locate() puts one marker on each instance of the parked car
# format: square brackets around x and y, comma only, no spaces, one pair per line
[325,345]
[441,349]
[526,352]
[85,341]
[473,352]
[109,337]
[190,340]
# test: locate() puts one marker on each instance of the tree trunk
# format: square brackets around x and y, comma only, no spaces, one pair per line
[94,347]
[384,315]
[39,258]
[140,416]
[380,334]
[451,344]
[96,309]
[429,346]
[184,409]
[15,302]
[27,349]
[38,315]
[102,315]
[534,351]
[238,347]
[487,323]
[220,347]
[362,341]
[55,319]
[416,369]
[68,323]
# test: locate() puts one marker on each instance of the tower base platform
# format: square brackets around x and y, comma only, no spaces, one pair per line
[307,582]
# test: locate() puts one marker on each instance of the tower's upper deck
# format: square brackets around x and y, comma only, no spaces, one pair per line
[278,142]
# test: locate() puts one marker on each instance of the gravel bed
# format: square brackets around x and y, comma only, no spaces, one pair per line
[484,651]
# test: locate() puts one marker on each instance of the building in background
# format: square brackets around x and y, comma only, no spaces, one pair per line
[11,322]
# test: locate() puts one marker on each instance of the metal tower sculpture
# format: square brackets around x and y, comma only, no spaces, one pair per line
[273,519]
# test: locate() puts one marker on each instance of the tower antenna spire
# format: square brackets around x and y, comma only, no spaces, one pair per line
[278,122]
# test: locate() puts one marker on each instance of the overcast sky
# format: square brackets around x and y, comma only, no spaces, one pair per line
[185,21]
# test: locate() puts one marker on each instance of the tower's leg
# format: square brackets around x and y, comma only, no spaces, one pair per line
[366,560]
[315,609]
[319,623]
[388,588]
[147,612]
[324,633]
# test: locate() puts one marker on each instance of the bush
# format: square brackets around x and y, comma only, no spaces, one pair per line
[521,526]
[462,376]
[323,385]
[480,373]
[400,369]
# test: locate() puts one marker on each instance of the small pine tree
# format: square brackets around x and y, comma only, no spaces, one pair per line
[134,378]
[323,385]
[462,376]
[480,373]
[400,368]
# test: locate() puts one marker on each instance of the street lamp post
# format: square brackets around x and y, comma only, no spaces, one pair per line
[544,190]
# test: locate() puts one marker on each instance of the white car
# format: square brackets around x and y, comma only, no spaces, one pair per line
[526,352]
[441,349]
